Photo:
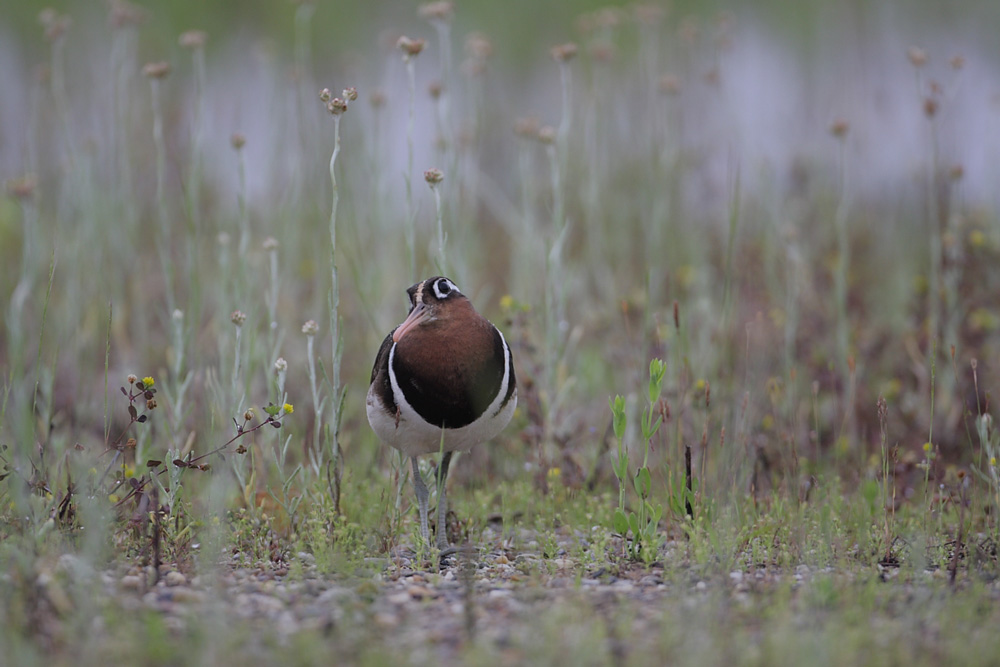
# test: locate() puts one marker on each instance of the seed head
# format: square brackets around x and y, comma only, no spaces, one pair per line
[336,106]
[248,414]
[411,48]
[158,70]
[547,134]
[526,127]
[238,141]
[280,365]
[178,315]
[839,128]
[151,404]
[350,94]
[930,107]
[325,95]
[270,243]
[310,328]
[192,39]
[22,188]
[670,84]
[238,318]
[917,56]
[124,14]
[433,176]
[132,378]
[437,11]
[563,52]
[478,46]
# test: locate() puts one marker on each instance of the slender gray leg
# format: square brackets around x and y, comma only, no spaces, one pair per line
[422,494]
[442,508]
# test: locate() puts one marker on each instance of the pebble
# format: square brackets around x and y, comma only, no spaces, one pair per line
[175,578]
[132,582]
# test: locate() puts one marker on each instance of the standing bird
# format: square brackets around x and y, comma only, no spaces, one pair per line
[443,381]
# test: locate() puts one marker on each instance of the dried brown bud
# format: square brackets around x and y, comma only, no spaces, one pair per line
[410,47]
[193,39]
[130,443]
[151,404]
[238,141]
[158,70]
[238,318]
[241,449]
[132,378]
[248,415]
[433,176]
[563,52]
[930,107]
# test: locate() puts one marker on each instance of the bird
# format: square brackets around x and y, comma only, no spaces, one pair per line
[443,381]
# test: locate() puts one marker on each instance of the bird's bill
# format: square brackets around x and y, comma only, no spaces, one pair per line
[417,316]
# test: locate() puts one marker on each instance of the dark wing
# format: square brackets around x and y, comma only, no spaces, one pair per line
[382,358]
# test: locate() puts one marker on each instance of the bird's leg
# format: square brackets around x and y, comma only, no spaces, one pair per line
[422,494]
[442,508]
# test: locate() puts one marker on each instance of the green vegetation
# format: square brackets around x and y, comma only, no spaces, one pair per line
[786,376]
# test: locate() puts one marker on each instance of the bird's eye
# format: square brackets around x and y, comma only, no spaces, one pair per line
[444,287]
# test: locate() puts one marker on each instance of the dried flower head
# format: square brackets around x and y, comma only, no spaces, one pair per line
[55,24]
[377,99]
[193,39]
[125,14]
[649,14]
[437,11]
[238,318]
[930,107]
[602,52]
[325,95]
[478,46]
[158,70]
[270,243]
[248,414]
[177,315]
[435,88]
[280,365]
[917,56]
[433,176]
[350,94]
[547,134]
[336,106]
[310,328]
[411,48]
[527,127]
[151,404]
[132,378]
[22,188]
[669,84]
[839,128]
[237,141]
[563,52]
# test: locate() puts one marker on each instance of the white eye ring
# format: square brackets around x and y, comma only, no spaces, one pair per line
[444,287]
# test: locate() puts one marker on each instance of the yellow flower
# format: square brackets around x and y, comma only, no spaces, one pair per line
[147,382]
[699,384]
[767,422]
[506,301]
[554,473]
[129,471]
[113,498]
[977,238]
[993,461]
[928,446]
[288,408]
